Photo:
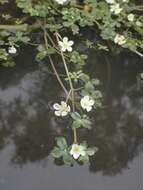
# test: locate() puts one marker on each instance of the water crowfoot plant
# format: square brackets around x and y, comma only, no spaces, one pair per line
[55,23]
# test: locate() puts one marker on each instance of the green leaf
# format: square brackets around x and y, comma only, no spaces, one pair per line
[91,151]
[75,115]
[61,142]
[84,159]
[67,159]
[56,152]
[50,51]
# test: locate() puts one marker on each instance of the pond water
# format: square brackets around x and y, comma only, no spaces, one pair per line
[28,128]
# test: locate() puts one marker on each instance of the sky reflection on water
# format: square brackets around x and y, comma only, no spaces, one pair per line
[28,128]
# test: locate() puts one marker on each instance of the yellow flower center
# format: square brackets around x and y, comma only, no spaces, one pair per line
[85,103]
[76,149]
[66,45]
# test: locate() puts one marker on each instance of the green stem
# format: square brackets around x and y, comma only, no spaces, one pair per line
[52,64]
[71,87]
[140,54]
[13,27]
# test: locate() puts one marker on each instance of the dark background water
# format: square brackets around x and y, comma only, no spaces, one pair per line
[28,128]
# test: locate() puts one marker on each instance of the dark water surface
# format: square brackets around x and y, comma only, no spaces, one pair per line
[28,127]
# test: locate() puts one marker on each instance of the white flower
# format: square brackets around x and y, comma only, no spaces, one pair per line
[110,1]
[87,103]
[77,151]
[61,2]
[115,8]
[61,109]
[12,50]
[66,45]
[119,39]
[131,17]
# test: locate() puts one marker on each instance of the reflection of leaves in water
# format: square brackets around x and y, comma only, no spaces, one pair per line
[117,130]
[35,143]
[4,133]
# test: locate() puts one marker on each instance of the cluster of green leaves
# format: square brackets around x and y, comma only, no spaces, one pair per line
[36,8]
[80,121]
[62,151]
[87,86]
[72,17]
[90,151]
[91,88]
[8,39]
[78,58]
[48,17]
[43,52]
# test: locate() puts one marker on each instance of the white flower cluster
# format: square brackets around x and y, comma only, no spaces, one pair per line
[63,109]
[12,50]
[119,39]
[131,17]
[114,7]
[86,102]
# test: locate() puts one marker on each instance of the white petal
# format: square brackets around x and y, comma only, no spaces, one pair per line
[60,43]
[82,103]
[86,98]
[89,108]
[70,43]
[63,49]
[63,104]
[91,102]
[64,113]
[82,153]
[56,106]
[69,49]
[57,113]
[65,39]
[76,155]
[74,146]
[68,109]
[71,151]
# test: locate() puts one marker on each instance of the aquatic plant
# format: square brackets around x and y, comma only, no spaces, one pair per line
[52,27]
